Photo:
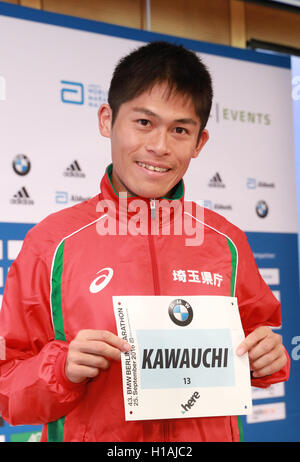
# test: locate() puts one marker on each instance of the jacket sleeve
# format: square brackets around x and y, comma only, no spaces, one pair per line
[33,386]
[258,306]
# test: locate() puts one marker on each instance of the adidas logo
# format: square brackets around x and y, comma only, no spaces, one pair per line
[22,197]
[74,170]
[216,181]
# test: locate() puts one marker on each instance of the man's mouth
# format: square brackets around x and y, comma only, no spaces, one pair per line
[153,168]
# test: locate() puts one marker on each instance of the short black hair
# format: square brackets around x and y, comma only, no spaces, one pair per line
[162,62]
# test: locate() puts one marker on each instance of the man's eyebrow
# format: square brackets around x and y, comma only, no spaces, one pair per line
[145,111]
[185,120]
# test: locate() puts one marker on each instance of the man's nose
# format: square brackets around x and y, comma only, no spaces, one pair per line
[158,142]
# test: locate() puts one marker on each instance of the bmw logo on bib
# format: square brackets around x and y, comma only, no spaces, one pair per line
[180,312]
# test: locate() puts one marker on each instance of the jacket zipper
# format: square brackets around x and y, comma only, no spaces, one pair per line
[155,283]
[152,249]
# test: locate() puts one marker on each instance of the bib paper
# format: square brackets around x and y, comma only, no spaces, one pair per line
[182,361]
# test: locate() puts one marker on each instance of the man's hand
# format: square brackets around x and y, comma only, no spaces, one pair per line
[265,350]
[91,351]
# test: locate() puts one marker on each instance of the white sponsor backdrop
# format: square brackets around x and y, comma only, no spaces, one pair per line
[53,77]
[251,126]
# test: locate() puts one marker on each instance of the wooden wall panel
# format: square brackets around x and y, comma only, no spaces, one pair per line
[31,3]
[272,25]
[237,24]
[200,20]
[228,22]
[123,12]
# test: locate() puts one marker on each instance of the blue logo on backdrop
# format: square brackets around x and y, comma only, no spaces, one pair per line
[208,204]
[262,209]
[21,164]
[61,197]
[251,183]
[181,313]
[80,93]
[72,92]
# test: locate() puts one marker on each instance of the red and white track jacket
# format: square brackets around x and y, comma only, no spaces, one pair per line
[63,281]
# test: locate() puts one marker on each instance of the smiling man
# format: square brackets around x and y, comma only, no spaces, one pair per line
[62,358]
[153,139]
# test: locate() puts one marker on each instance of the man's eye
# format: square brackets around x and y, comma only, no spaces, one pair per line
[143,122]
[180,130]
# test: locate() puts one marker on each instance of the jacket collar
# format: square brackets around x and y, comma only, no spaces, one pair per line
[127,207]
[177,192]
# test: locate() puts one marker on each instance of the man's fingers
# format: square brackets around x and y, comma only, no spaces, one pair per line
[270,368]
[90,360]
[264,347]
[259,361]
[81,372]
[91,351]
[265,350]
[103,336]
[99,348]
[259,334]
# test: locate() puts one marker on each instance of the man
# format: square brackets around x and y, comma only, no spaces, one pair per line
[62,365]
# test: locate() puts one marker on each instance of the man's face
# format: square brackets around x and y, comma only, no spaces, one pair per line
[153,139]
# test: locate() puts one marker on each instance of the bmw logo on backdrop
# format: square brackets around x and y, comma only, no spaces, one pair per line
[21,164]
[181,313]
[262,209]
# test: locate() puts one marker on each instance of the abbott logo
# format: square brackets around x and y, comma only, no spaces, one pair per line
[101,281]
[2,88]
[61,197]
[72,92]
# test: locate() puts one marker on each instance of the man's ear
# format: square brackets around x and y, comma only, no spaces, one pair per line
[105,120]
[204,137]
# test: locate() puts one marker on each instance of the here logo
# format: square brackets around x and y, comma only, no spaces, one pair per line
[190,402]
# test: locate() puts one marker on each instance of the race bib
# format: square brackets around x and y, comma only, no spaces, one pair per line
[182,361]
